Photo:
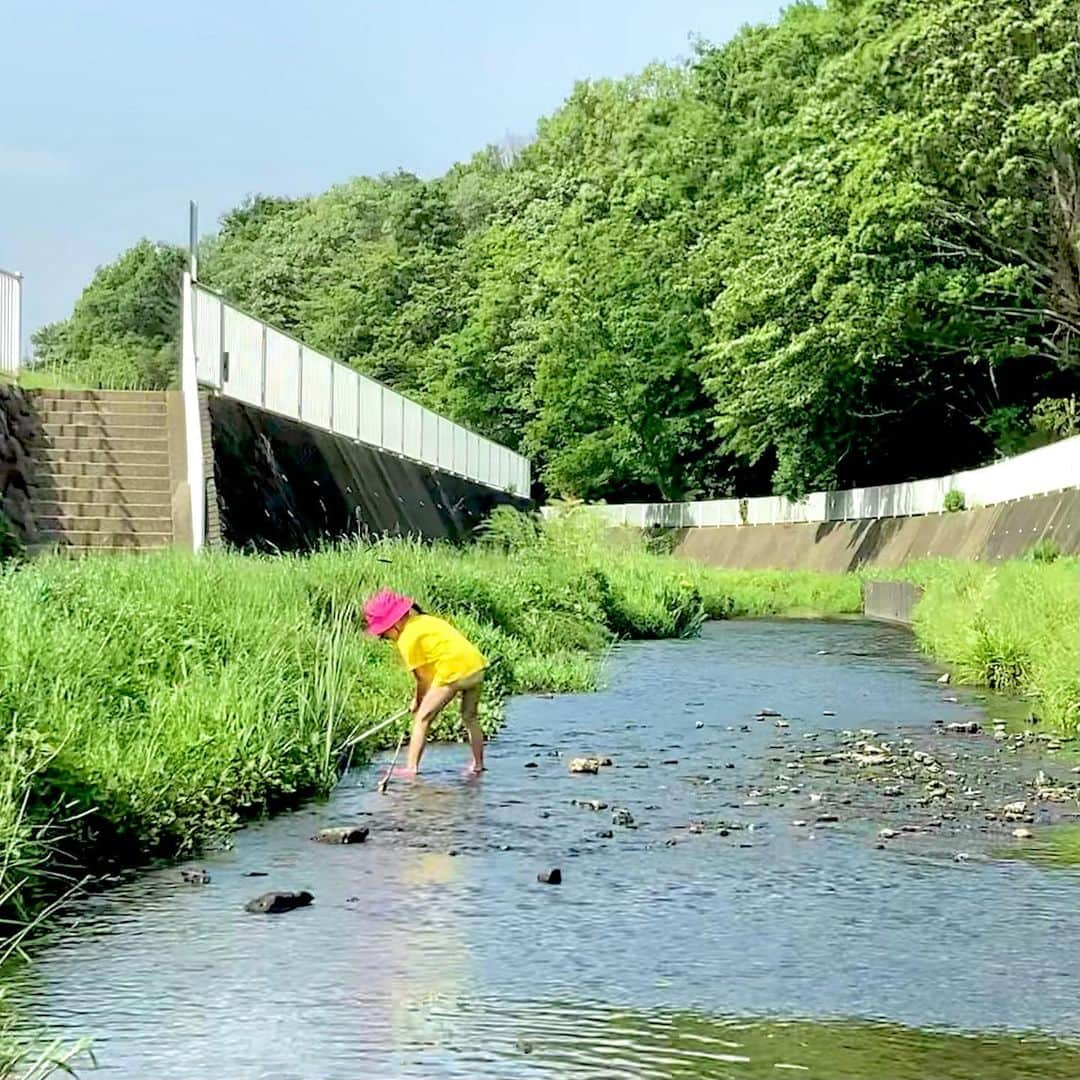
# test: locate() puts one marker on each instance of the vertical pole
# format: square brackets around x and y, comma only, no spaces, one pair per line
[193,240]
[189,382]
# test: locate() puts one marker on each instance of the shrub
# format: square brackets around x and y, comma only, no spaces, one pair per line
[954,501]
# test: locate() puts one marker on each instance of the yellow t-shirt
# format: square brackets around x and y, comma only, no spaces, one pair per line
[437,651]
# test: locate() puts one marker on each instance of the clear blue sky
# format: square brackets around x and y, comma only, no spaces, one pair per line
[119,111]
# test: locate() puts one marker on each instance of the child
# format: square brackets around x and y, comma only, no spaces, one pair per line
[442,660]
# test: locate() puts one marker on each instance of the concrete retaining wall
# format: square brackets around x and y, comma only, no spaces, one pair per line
[891,601]
[1003,531]
[281,485]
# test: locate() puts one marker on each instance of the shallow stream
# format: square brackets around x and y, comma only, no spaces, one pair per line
[745,947]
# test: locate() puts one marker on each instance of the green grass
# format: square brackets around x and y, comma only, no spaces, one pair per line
[1014,626]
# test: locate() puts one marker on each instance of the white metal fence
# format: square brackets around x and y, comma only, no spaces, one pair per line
[10,320]
[1050,468]
[250,361]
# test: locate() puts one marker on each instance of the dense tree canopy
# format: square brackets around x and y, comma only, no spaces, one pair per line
[841,250]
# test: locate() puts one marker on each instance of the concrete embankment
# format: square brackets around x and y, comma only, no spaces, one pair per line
[990,534]
[280,485]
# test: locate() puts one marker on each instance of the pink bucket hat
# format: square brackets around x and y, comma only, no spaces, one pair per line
[384,609]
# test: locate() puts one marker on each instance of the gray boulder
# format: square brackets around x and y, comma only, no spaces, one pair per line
[275,903]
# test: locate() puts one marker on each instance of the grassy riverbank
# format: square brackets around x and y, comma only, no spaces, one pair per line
[155,702]
[1014,627]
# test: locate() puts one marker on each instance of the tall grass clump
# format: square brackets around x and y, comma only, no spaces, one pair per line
[1014,626]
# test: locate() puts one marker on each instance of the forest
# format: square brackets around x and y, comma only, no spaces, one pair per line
[840,250]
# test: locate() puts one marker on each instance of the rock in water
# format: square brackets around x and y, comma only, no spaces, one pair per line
[965,727]
[1023,834]
[944,679]
[584,765]
[346,834]
[275,903]
[195,877]
[621,816]
[550,877]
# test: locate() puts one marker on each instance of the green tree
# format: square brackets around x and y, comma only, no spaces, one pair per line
[125,328]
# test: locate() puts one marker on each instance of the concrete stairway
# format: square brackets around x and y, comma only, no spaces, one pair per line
[101,470]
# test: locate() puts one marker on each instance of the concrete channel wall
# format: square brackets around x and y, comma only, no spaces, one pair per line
[891,601]
[990,533]
[275,484]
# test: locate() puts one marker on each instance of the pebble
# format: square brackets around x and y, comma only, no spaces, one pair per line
[605,834]
[531,765]
[671,761]
[892,792]
[550,877]
[944,679]
[1023,834]
[348,834]
[961,856]
[1015,807]
[798,823]
[964,727]
[195,877]
[584,765]
[828,712]
[700,724]
[782,724]
[827,819]
[276,903]
[763,714]
[887,834]
[621,816]
[697,828]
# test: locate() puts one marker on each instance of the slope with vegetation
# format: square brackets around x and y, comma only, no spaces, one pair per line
[838,251]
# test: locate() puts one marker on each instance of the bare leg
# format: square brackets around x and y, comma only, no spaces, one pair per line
[431,704]
[469,700]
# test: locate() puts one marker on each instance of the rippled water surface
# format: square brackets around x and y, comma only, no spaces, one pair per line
[432,951]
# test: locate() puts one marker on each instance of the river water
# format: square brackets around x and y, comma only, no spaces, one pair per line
[432,950]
